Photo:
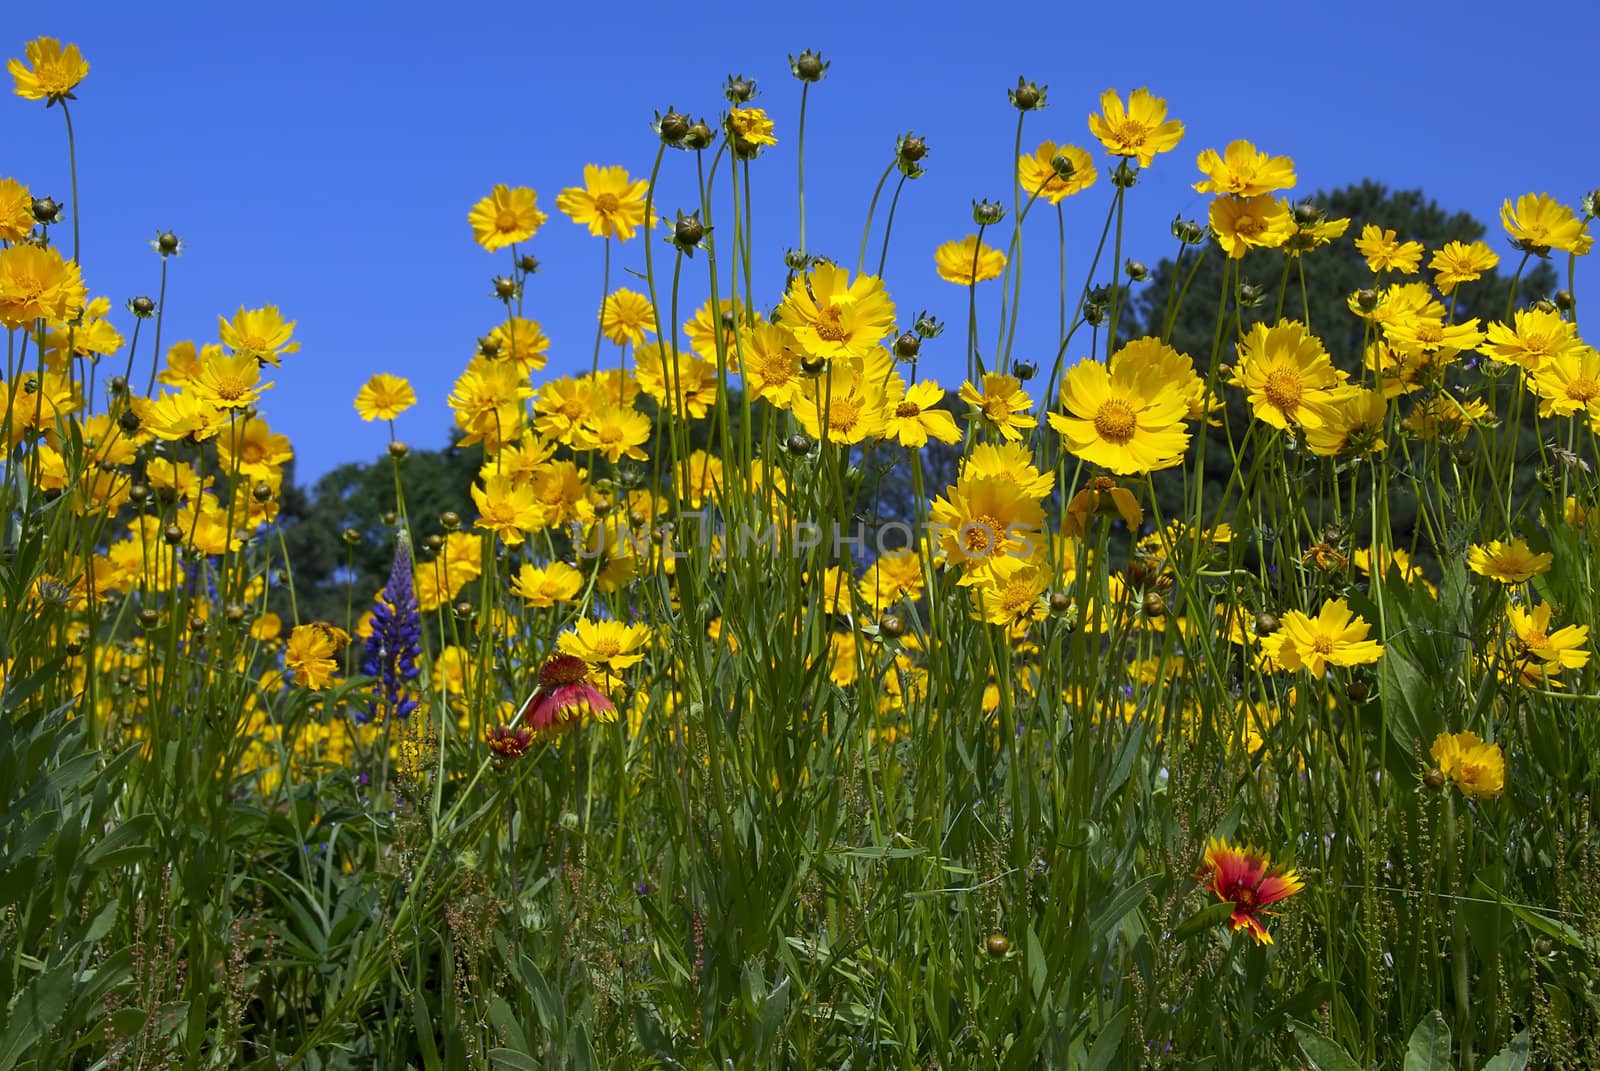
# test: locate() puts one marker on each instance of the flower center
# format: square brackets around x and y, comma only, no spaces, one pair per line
[1130,132]
[506,220]
[843,414]
[1115,421]
[1282,388]
[1249,225]
[606,203]
[1245,897]
[907,410]
[829,329]
[562,669]
[980,537]
[1323,645]
[1583,390]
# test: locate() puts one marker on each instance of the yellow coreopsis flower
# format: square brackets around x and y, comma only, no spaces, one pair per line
[1461,262]
[608,645]
[1009,461]
[771,367]
[309,654]
[37,283]
[1508,563]
[1287,375]
[852,401]
[1335,637]
[1538,653]
[1242,170]
[1128,418]
[615,433]
[1539,223]
[1245,223]
[1533,338]
[1385,252]
[544,586]
[982,518]
[507,216]
[968,261]
[751,129]
[522,342]
[230,381]
[914,419]
[1174,368]
[253,447]
[16,210]
[506,509]
[1569,385]
[1478,768]
[832,317]
[1140,130]
[384,397]
[1056,172]
[1352,425]
[50,73]
[1002,404]
[261,333]
[627,316]
[609,202]
[686,388]
[1011,590]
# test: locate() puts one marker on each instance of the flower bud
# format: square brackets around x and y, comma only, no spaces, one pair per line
[891,626]
[1137,271]
[910,148]
[1367,299]
[352,536]
[1266,623]
[1434,779]
[1564,300]
[1126,174]
[263,492]
[1025,370]
[998,945]
[698,136]
[142,307]
[138,493]
[505,287]
[388,517]
[907,345]
[795,260]
[1545,305]
[234,613]
[168,244]
[739,89]
[808,67]
[149,617]
[450,519]
[172,534]
[1251,295]
[398,449]
[528,264]
[1060,602]
[1306,214]
[465,610]
[1358,691]
[1063,166]
[46,210]
[987,213]
[673,127]
[1542,946]
[1154,605]
[688,232]
[927,325]
[117,385]
[435,541]
[812,366]
[1027,97]
[798,444]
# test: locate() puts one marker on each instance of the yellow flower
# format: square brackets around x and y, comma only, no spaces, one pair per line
[506,509]
[16,211]
[1534,338]
[309,654]
[968,261]
[718,326]
[1385,252]
[230,381]
[1478,768]
[750,128]
[627,316]
[1535,651]
[983,518]
[771,368]
[1335,637]
[614,433]
[38,283]
[1245,223]
[260,333]
[832,317]
[384,397]
[1445,417]
[51,72]
[610,645]
[1011,591]
[1054,173]
[852,400]
[688,387]
[1009,461]
[522,342]
[1509,563]
[487,402]
[1461,262]
[1242,170]
[253,447]
[1569,385]
[914,419]
[1353,425]
[505,217]
[1539,223]
[179,416]
[1287,375]
[1140,130]
[611,203]
[1128,418]
[1174,368]
[543,586]
[1002,404]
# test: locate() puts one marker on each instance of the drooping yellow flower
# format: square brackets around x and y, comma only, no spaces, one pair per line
[1478,768]
[1128,418]
[627,316]
[751,127]
[1352,425]
[506,509]
[507,216]
[609,202]
[1569,385]
[230,381]
[261,333]
[38,283]
[1140,130]
[309,654]
[1245,223]
[1461,262]
[522,342]
[1385,252]
[548,585]
[608,645]
[1335,637]
[253,448]
[1540,223]
[1056,172]
[51,72]
[1533,338]
[686,388]
[1287,375]
[16,210]
[1002,404]
[914,419]
[1508,563]
[384,397]
[968,261]
[1242,170]
[832,317]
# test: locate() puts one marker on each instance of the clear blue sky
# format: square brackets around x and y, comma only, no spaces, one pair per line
[323,157]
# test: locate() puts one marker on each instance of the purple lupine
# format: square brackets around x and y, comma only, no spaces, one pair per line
[396,640]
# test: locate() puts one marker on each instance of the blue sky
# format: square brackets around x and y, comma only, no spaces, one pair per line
[323,157]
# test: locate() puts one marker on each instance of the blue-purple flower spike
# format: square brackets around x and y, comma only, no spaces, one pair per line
[396,640]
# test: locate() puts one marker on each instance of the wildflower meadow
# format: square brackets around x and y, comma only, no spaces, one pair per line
[1210,688]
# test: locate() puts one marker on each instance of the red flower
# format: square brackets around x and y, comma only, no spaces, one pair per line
[509,741]
[1245,877]
[563,699]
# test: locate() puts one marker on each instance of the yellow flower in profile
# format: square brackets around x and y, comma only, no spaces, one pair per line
[609,202]
[1385,252]
[627,316]
[771,368]
[1287,375]
[230,381]
[1478,768]
[507,216]
[506,509]
[1140,130]
[968,261]
[179,416]
[522,342]
[915,419]
[1335,637]
[1539,223]
[16,210]
[253,448]
[51,72]
[1002,404]
[1538,654]
[1352,426]
[1128,418]
[260,333]
[1508,563]
[1056,172]
[1008,461]
[1461,262]
[1245,223]
[545,586]
[608,645]
[309,654]
[1242,170]
[384,397]
[38,283]
[1569,385]
[832,317]
[751,126]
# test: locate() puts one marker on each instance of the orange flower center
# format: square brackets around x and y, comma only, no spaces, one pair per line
[829,329]
[1245,897]
[843,414]
[906,410]
[981,536]
[1129,132]
[1283,388]
[507,220]
[1323,645]
[1115,421]
[606,203]
[1583,390]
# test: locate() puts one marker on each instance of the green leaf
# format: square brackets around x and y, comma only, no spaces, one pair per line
[1430,1045]
[35,1014]
[1323,1052]
[1207,917]
[1514,1057]
[512,1060]
[1106,1045]
[424,1024]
